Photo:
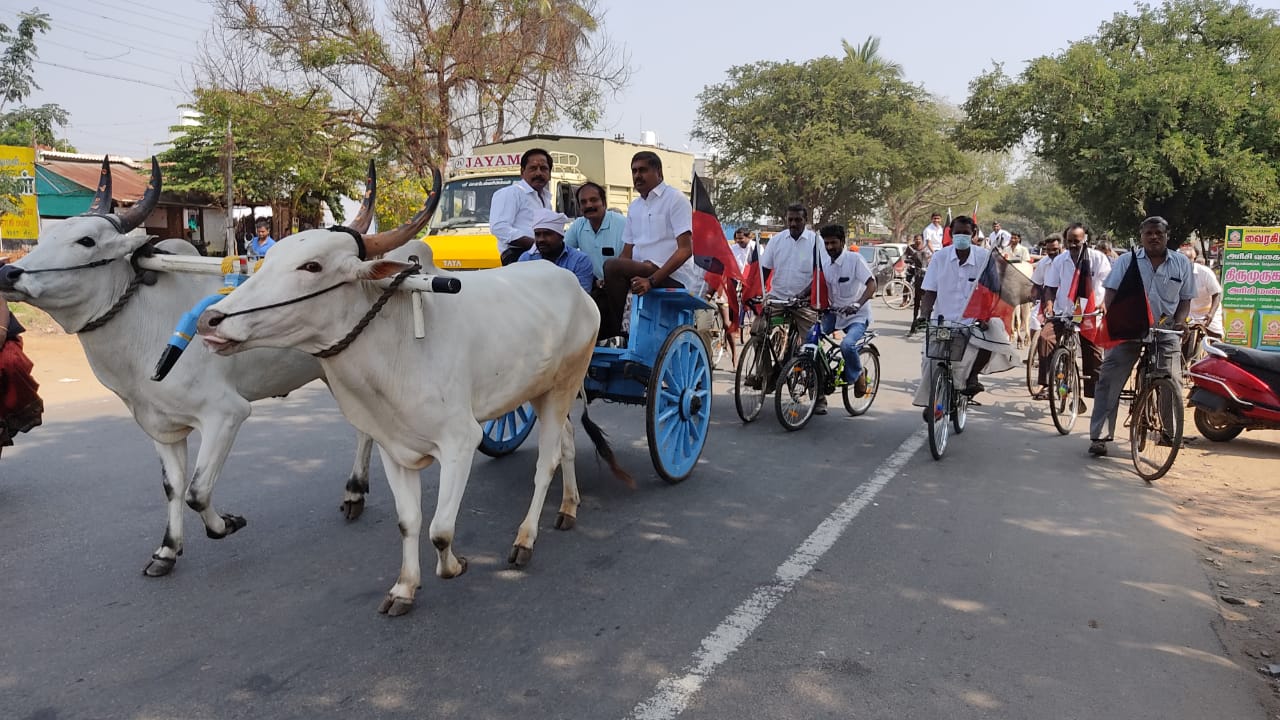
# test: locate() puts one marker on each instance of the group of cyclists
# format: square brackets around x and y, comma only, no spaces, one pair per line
[817,287]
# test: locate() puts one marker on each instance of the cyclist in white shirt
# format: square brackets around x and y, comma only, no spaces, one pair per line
[1052,248]
[933,233]
[1206,306]
[1058,286]
[851,285]
[789,259]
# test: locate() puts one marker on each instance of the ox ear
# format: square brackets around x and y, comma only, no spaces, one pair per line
[382,269]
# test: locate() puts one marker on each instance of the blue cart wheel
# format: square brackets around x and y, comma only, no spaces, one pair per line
[503,435]
[678,411]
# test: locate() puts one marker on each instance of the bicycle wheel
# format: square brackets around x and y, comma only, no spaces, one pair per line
[1033,364]
[959,411]
[1064,390]
[897,294]
[1155,428]
[938,410]
[797,395]
[749,379]
[854,405]
[717,342]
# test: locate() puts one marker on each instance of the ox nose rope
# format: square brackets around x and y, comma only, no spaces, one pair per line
[94,264]
[355,331]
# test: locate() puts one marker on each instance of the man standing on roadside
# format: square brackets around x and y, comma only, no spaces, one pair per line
[262,241]
[932,233]
[512,208]
[999,239]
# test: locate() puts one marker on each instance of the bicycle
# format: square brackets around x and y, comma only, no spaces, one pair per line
[898,294]
[760,358]
[819,368]
[1065,379]
[710,325]
[1033,362]
[945,343]
[1155,414]
[1192,345]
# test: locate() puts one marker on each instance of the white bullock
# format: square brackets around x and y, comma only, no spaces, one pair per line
[520,333]
[80,273]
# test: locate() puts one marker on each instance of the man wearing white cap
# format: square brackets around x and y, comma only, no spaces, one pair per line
[548,244]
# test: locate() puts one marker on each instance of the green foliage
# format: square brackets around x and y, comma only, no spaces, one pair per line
[288,151]
[1171,111]
[837,134]
[10,193]
[25,126]
[1036,204]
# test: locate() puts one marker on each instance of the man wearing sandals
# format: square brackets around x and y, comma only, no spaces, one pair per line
[1169,284]
[851,286]
[1058,286]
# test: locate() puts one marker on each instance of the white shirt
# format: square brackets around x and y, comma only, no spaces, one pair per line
[1041,270]
[847,278]
[791,260]
[954,282]
[742,254]
[512,210]
[999,239]
[1206,287]
[932,237]
[654,223]
[1017,254]
[1063,274]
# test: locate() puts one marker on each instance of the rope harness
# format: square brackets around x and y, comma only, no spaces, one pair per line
[140,277]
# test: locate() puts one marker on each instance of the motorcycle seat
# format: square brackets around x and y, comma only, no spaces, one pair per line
[1248,357]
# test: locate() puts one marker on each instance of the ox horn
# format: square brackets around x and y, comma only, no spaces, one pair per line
[134,216]
[364,217]
[101,204]
[383,242]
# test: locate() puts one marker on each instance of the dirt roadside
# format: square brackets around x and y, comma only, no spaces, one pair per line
[1226,498]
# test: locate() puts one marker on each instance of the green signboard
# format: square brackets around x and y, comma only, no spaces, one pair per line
[1251,287]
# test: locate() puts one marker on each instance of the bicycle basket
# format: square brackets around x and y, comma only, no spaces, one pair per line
[946,343]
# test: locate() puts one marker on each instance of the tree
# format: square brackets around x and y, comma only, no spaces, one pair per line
[425,77]
[1040,204]
[1171,111]
[971,179]
[25,125]
[838,134]
[290,152]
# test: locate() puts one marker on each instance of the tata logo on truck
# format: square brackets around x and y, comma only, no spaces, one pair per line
[481,162]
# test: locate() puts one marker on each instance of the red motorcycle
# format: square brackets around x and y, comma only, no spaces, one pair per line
[1235,389]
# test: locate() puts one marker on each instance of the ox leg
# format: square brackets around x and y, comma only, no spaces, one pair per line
[455,470]
[406,488]
[569,500]
[358,483]
[215,445]
[550,445]
[173,474]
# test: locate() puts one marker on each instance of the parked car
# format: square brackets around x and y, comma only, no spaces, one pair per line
[882,260]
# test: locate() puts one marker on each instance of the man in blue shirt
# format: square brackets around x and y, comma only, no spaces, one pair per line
[598,233]
[259,246]
[548,244]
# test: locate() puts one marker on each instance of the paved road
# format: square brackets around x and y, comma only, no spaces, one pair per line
[837,572]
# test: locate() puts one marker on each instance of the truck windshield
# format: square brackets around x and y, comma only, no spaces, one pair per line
[466,201]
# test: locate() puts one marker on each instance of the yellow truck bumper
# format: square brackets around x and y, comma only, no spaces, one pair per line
[464,252]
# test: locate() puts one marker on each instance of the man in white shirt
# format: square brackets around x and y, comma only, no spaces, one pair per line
[742,247]
[1018,255]
[512,209]
[1058,286]
[789,260]
[1052,248]
[657,244]
[1206,306]
[933,233]
[851,286]
[948,285]
[999,238]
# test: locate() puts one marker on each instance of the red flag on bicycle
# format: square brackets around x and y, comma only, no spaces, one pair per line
[819,295]
[710,247]
[752,278]
[1129,313]
[1000,289]
[946,230]
[1085,297]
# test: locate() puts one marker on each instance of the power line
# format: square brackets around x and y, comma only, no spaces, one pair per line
[108,18]
[97,35]
[157,11]
[85,53]
[109,75]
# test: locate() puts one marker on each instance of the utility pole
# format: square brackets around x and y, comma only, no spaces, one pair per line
[228,150]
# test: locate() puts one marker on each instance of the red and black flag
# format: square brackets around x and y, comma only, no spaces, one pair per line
[1000,289]
[946,230]
[1086,300]
[710,247]
[1129,313]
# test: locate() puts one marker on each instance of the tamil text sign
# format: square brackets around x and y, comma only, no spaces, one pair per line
[1251,287]
[20,163]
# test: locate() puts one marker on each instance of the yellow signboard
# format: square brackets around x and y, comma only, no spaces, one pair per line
[24,224]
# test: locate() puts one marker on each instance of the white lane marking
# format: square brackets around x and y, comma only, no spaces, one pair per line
[674,693]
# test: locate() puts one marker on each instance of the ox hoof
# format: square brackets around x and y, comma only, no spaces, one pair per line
[233,523]
[520,556]
[159,567]
[462,569]
[351,509]
[395,606]
[565,522]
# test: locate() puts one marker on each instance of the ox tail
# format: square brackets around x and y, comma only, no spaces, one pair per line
[603,448]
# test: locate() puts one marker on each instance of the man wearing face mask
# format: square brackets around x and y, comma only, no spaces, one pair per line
[1059,285]
[948,284]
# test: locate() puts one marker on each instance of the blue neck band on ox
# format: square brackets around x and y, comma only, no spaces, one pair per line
[360,249]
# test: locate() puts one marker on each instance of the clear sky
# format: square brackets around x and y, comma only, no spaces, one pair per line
[677,47]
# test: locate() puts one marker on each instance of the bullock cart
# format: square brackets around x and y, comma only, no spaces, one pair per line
[665,367]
